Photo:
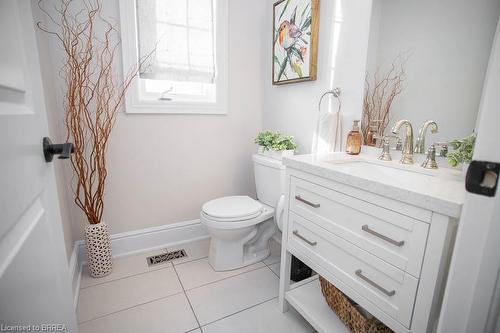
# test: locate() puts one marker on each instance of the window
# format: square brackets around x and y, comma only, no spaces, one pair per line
[185,43]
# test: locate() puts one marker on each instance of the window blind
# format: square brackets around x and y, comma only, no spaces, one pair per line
[182,34]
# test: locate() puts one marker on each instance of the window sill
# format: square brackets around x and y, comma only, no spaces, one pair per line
[171,107]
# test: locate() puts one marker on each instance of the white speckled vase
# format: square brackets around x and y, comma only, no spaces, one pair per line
[98,249]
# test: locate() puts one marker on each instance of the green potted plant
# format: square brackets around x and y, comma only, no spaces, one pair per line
[275,144]
[463,149]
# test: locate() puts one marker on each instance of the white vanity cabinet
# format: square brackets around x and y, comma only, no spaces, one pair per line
[388,255]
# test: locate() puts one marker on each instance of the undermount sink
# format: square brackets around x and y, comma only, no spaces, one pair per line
[372,167]
[389,169]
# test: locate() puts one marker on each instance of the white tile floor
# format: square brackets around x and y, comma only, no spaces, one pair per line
[185,295]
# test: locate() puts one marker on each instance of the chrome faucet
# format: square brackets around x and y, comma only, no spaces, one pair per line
[420,144]
[407,156]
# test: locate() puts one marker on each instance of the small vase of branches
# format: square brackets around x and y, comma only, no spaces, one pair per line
[93,97]
[381,89]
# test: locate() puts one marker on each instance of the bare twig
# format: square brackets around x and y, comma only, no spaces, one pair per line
[380,95]
[93,96]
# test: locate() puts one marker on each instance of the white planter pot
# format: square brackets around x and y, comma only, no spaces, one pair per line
[98,249]
[277,155]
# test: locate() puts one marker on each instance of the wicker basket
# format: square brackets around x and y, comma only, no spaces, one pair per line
[346,310]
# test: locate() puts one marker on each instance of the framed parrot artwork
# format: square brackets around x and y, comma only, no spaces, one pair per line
[295,40]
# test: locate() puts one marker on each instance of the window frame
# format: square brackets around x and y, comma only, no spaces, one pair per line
[130,56]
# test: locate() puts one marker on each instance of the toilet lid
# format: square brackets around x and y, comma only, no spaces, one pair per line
[235,207]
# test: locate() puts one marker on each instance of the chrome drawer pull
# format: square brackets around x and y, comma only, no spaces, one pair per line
[382,289]
[296,233]
[387,239]
[298,197]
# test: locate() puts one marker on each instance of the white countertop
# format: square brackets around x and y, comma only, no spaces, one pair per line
[441,190]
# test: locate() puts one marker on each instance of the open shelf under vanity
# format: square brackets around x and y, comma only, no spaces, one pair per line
[306,297]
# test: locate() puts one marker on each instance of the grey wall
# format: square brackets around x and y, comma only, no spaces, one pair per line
[162,168]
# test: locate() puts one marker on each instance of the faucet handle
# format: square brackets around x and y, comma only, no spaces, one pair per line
[386,152]
[430,160]
[443,152]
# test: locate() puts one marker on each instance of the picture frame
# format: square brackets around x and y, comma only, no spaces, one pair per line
[295,41]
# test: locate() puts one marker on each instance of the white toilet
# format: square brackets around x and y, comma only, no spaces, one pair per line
[241,227]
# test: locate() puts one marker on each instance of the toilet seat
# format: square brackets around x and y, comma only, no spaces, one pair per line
[227,224]
[232,208]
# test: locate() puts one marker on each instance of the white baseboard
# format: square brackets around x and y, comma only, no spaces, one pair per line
[137,241]
[75,271]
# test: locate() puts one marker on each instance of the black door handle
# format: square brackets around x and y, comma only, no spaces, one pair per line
[64,150]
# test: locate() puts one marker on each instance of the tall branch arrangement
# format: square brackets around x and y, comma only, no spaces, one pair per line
[93,95]
[379,96]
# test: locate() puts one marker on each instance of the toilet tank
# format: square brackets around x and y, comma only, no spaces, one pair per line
[269,179]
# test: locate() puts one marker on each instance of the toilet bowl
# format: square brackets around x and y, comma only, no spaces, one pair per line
[240,227]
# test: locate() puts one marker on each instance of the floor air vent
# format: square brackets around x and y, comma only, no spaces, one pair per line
[164,257]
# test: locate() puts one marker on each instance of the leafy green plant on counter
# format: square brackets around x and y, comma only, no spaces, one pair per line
[462,150]
[276,141]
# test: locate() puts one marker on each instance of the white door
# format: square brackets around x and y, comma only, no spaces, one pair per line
[472,297]
[34,280]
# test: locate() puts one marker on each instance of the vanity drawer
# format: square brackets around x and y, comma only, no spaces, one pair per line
[396,238]
[391,289]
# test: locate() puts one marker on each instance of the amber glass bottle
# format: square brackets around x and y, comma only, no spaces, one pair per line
[353,144]
[371,136]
